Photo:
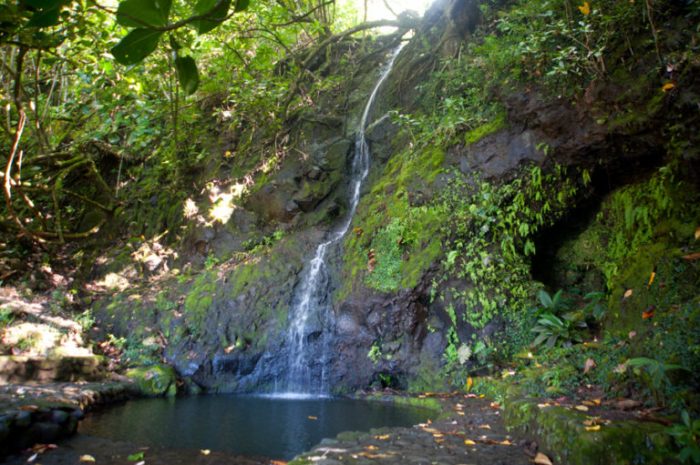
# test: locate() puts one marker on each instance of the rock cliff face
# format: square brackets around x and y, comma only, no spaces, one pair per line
[224,328]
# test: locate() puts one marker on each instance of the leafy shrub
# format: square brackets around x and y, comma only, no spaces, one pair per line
[551,329]
[687,437]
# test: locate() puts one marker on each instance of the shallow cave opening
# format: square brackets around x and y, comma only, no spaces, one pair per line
[606,178]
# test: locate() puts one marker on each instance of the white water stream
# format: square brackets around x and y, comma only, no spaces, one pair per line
[312,299]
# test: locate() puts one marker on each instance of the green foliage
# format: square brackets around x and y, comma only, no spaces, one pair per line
[375,352]
[258,245]
[151,19]
[402,233]
[211,261]
[136,456]
[653,373]
[136,46]
[86,320]
[551,329]
[687,438]
[490,229]
[632,214]
[187,74]
[388,246]
[553,304]
[7,316]
[556,324]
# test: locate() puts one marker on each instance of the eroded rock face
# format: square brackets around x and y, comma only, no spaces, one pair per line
[228,332]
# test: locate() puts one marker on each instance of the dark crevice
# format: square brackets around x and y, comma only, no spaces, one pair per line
[604,180]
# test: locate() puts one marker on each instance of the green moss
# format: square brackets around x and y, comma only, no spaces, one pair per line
[155,380]
[398,222]
[243,275]
[475,135]
[419,402]
[199,300]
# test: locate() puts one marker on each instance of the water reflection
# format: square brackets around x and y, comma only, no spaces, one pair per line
[245,425]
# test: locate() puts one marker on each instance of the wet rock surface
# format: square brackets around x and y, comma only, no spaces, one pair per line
[45,413]
[470,431]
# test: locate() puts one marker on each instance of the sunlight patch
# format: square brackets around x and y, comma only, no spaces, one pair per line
[223,202]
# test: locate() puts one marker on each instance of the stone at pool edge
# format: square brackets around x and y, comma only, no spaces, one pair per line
[154,380]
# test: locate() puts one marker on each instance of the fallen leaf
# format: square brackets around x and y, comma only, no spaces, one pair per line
[589,365]
[382,437]
[593,428]
[485,426]
[628,293]
[460,414]
[87,458]
[205,451]
[142,462]
[32,458]
[494,405]
[597,401]
[470,383]
[29,408]
[278,462]
[648,313]
[469,442]
[585,9]
[692,256]
[632,334]
[697,233]
[627,404]
[371,447]
[41,448]
[581,408]
[668,86]
[437,435]
[588,403]
[541,459]
[311,417]
[506,442]
[652,276]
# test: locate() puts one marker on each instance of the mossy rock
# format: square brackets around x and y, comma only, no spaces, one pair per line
[561,433]
[154,380]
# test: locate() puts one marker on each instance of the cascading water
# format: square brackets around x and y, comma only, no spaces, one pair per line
[311,310]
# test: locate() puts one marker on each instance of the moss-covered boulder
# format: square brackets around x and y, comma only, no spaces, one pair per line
[155,380]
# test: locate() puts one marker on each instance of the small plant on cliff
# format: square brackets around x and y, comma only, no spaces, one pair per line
[375,352]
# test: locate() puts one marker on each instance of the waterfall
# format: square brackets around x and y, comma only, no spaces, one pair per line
[311,313]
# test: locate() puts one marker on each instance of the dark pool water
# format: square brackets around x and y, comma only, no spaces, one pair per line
[245,425]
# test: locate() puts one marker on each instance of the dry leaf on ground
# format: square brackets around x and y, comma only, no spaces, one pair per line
[541,459]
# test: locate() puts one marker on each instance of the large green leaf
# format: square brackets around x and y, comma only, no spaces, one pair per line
[241,5]
[45,4]
[187,74]
[136,46]
[216,13]
[143,13]
[46,12]
[45,18]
